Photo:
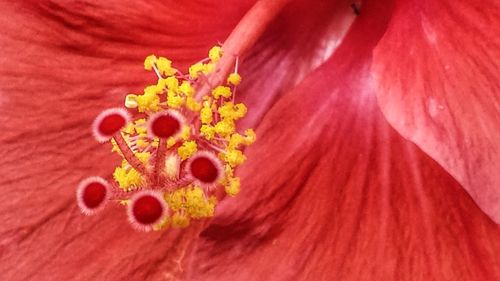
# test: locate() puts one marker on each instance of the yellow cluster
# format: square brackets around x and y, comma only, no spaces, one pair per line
[213,116]
[168,92]
[189,203]
[127,177]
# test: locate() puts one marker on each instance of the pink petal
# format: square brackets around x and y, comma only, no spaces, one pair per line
[437,78]
[332,192]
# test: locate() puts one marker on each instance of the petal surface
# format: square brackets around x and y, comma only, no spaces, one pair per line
[436,71]
[332,192]
[63,63]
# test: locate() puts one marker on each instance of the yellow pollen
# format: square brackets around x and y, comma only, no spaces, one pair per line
[221,91]
[215,54]
[233,188]
[149,62]
[210,125]
[187,149]
[234,79]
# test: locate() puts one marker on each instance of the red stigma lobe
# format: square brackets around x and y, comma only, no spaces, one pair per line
[111,124]
[94,194]
[147,209]
[204,169]
[165,126]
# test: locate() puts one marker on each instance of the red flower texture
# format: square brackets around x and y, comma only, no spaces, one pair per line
[377,151]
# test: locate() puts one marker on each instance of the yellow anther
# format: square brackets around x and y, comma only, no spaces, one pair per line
[186,132]
[186,88]
[206,113]
[234,79]
[225,127]
[235,140]
[215,54]
[165,66]
[208,68]
[180,221]
[221,91]
[148,102]
[155,143]
[197,206]
[127,178]
[174,100]
[153,89]
[175,199]
[228,170]
[231,111]
[195,69]
[241,110]
[141,131]
[171,83]
[149,62]
[250,137]
[131,101]
[187,149]
[129,129]
[143,156]
[170,142]
[233,188]
[234,157]
[162,225]
[142,143]
[192,104]
[207,131]
[140,121]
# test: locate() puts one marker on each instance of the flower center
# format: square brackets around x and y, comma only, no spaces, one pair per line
[179,152]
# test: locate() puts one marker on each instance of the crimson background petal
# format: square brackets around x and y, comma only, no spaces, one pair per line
[333,192]
[437,73]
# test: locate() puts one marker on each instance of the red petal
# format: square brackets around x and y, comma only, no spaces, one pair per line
[332,192]
[437,78]
[61,65]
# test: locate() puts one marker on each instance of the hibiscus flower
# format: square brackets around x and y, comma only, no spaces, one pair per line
[377,153]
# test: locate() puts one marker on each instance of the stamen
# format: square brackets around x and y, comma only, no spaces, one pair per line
[162,162]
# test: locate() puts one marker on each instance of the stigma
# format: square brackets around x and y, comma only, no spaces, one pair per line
[179,143]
